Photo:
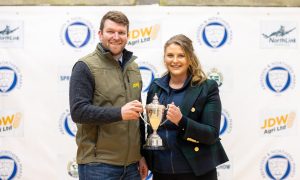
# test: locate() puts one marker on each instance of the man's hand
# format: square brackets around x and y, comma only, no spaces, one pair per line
[143,168]
[131,110]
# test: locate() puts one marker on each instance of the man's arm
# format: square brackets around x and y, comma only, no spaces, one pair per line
[81,94]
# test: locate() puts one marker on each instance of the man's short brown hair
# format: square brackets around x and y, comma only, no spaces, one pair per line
[115,16]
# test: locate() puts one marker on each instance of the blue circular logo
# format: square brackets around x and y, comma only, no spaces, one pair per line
[282,80]
[214,33]
[78,34]
[66,124]
[10,167]
[278,167]
[8,79]
[70,126]
[278,78]
[147,77]
[224,122]
[210,32]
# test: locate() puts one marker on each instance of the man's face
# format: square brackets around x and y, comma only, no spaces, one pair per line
[114,36]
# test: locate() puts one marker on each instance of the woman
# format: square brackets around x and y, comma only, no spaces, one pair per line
[191,133]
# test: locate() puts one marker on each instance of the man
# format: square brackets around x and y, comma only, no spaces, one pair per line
[105,89]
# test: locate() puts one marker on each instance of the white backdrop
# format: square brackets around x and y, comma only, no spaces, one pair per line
[253,53]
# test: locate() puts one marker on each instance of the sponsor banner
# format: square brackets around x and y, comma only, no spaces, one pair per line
[252,53]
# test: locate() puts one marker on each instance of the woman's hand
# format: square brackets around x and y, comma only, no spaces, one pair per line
[174,114]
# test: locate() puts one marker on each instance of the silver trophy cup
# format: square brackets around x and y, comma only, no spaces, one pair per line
[154,115]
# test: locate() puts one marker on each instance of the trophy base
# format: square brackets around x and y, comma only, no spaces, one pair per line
[153,147]
[154,142]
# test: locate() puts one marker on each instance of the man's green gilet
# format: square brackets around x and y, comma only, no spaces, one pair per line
[116,143]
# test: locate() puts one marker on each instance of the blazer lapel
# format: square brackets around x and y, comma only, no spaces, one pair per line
[189,98]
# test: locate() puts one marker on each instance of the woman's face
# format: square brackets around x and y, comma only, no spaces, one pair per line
[176,61]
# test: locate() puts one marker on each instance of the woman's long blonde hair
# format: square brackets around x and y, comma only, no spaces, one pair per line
[195,69]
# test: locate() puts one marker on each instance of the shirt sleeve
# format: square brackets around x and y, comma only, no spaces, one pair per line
[81,92]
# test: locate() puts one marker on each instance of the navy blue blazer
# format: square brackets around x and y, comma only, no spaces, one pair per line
[199,141]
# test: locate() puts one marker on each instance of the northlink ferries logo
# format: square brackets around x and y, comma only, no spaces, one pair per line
[278,77]
[277,165]
[66,125]
[279,35]
[10,166]
[215,33]
[8,30]
[10,77]
[11,34]
[77,33]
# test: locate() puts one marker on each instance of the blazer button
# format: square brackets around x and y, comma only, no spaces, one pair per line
[196,149]
[193,109]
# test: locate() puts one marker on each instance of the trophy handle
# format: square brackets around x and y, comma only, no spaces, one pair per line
[165,119]
[144,118]
[163,122]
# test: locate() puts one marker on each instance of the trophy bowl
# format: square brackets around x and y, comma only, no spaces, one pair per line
[154,115]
